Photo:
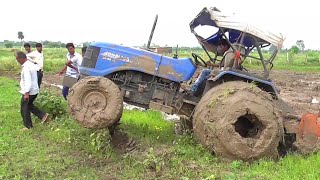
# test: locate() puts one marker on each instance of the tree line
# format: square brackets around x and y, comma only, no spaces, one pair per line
[47,44]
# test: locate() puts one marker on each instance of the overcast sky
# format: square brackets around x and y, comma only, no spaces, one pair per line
[129,21]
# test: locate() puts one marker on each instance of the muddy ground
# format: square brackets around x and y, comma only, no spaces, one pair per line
[299,90]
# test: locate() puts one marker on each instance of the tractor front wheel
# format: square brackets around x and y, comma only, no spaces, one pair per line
[95,102]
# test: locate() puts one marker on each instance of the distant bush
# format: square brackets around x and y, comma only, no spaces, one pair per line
[313,59]
[294,49]
[8,45]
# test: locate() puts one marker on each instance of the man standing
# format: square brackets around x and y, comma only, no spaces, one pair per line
[36,57]
[29,90]
[74,60]
[27,47]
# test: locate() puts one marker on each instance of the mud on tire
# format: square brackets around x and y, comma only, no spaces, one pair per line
[238,121]
[95,102]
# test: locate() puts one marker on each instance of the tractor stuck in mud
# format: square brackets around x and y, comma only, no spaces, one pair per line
[235,113]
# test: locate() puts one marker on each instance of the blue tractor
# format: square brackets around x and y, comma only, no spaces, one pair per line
[235,113]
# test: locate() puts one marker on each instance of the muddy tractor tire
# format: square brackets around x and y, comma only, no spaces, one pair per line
[238,121]
[95,102]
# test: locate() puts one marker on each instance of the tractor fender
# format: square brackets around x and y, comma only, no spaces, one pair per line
[236,75]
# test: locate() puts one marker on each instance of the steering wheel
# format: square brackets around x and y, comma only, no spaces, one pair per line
[201,62]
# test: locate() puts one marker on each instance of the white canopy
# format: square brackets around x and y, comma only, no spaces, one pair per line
[232,22]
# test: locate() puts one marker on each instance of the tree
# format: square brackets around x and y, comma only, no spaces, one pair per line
[63,45]
[294,49]
[300,44]
[33,43]
[45,43]
[8,44]
[20,35]
[54,44]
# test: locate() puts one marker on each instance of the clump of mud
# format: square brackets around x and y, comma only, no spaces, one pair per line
[121,142]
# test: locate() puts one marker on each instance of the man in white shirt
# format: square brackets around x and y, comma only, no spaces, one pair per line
[29,90]
[36,57]
[70,69]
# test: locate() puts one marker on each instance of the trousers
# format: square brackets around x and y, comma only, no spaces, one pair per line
[202,77]
[65,92]
[27,108]
[40,76]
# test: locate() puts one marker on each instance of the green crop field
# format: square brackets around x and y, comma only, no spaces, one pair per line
[62,149]
[54,59]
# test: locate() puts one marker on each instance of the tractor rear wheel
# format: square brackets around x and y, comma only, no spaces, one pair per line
[95,102]
[238,121]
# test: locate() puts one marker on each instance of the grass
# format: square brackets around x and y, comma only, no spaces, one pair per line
[25,155]
[64,150]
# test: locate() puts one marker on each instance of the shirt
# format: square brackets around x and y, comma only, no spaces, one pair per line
[29,79]
[37,58]
[76,60]
[229,57]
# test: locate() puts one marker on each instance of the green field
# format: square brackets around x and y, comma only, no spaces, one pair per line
[55,59]
[64,150]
